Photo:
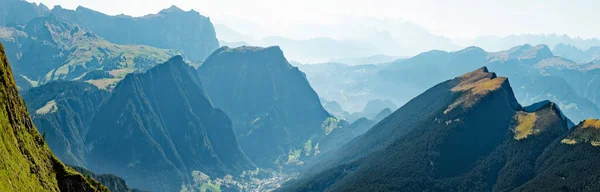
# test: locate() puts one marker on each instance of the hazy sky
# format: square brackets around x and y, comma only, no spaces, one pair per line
[462,19]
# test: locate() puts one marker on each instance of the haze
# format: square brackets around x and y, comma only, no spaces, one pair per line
[458,19]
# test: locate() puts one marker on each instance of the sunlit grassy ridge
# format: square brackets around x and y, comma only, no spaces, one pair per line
[26,162]
[525,125]
[587,131]
[473,86]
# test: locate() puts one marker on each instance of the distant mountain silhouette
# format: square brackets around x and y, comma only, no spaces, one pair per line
[535,73]
[27,162]
[464,134]
[158,127]
[578,55]
[496,43]
[19,12]
[170,28]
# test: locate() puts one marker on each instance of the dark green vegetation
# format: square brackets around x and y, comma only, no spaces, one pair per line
[535,73]
[465,134]
[112,182]
[171,28]
[159,126]
[63,111]
[27,164]
[276,115]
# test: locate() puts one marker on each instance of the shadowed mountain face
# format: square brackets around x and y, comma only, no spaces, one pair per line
[171,28]
[465,134]
[62,110]
[27,163]
[158,127]
[274,109]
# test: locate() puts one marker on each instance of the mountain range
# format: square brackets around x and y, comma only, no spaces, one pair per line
[62,44]
[536,73]
[497,43]
[446,139]
[575,54]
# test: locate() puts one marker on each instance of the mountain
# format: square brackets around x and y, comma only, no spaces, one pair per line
[159,127]
[19,12]
[535,73]
[578,55]
[446,139]
[63,111]
[47,49]
[274,109]
[171,28]
[350,86]
[27,162]
[496,43]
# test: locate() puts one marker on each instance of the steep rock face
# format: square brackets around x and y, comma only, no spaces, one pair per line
[465,134]
[158,127]
[273,107]
[63,110]
[27,162]
[19,12]
[171,28]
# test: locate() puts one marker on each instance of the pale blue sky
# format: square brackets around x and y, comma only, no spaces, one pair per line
[458,19]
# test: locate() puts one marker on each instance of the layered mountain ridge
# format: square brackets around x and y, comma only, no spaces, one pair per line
[171,28]
[465,134]
[159,126]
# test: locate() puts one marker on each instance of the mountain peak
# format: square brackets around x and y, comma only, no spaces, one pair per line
[533,120]
[525,52]
[176,59]
[587,131]
[257,56]
[478,84]
[479,81]
[172,9]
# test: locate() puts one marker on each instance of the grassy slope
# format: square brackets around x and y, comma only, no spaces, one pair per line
[27,164]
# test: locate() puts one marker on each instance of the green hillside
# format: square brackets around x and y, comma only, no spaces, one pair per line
[27,163]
